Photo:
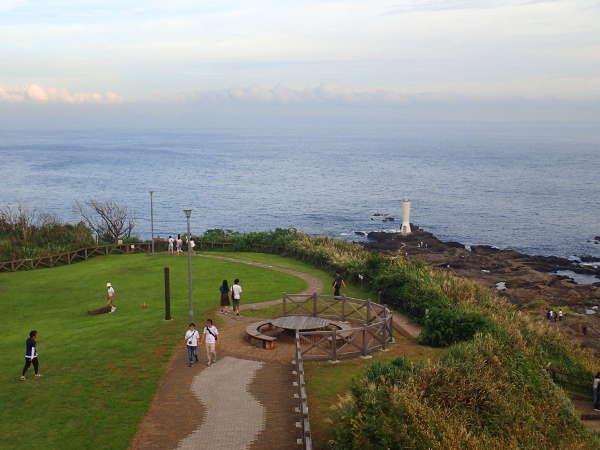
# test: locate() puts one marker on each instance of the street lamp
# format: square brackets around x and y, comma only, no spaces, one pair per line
[188,214]
[152,221]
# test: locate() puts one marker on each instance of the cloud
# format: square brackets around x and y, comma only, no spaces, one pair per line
[38,94]
[323,93]
[446,5]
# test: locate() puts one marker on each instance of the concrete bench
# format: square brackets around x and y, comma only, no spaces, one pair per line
[255,337]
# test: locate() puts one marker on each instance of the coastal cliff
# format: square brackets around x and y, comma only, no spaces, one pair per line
[529,282]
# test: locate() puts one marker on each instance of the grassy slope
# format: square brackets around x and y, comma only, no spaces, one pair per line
[101,371]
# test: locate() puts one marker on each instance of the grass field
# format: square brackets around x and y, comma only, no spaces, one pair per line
[100,372]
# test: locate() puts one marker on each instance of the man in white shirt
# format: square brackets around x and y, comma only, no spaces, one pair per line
[191,343]
[236,296]
[210,337]
[171,244]
[110,296]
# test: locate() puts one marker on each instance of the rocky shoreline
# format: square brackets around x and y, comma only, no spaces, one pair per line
[526,281]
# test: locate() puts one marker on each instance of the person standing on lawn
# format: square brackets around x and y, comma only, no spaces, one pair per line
[338,283]
[179,244]
[236,296]
[171,244]
[224,289]
[110,297]
[191,343]
[31,356]
[210,337]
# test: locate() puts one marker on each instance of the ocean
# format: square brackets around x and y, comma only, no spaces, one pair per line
[536,192]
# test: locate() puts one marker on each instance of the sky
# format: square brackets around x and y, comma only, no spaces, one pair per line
[177,60]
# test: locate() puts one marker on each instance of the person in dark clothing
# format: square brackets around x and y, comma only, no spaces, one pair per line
[596,387]
[31,355]
[337,284]
[224,289]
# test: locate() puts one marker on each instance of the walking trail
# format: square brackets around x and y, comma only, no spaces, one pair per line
[228,406]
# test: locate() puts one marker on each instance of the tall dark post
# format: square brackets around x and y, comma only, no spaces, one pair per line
[152,222]
[167,295]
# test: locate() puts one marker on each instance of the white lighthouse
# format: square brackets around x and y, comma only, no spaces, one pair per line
[405,217]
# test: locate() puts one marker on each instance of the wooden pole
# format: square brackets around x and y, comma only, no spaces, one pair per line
[314,296]
[334,344]
[284,304]
[167,295]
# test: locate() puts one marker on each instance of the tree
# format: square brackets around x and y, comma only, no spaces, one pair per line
[109,220]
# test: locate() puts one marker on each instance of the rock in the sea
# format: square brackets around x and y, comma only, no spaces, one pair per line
[388,219]
[597,238]
[360,233]
[589,259]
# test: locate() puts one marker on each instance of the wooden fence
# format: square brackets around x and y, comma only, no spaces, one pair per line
[83,254]
[302,397]
[372,332]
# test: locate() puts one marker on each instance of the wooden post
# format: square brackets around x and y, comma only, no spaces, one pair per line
[344,309]
[314,296]
[85,255]
[167,295]
[368,312]
[364,337]
[284,304]
[334,344]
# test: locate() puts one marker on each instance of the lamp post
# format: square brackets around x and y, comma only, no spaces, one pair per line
[152,221]
[188,214]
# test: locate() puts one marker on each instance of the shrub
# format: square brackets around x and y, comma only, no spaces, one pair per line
[445,326]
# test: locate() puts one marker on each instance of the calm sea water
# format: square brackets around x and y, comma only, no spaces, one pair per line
[536,193]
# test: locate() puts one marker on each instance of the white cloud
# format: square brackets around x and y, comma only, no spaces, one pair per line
[444,5]
[38,94]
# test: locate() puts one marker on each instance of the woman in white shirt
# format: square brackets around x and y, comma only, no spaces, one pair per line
[210,336]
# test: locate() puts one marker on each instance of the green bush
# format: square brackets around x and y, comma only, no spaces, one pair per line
[445,326]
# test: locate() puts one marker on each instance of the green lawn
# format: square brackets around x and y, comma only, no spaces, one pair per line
[351,290]
[102,371]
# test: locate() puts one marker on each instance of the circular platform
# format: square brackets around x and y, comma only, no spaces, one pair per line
[300,323]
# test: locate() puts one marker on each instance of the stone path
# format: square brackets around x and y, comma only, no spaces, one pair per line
[233,417]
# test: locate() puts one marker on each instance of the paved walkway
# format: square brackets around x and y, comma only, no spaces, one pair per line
[233,417]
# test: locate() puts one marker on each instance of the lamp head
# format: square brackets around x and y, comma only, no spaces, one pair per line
[188,212]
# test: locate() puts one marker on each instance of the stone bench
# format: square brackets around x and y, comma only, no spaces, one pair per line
[255,337]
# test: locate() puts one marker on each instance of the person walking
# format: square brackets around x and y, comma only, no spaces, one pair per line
[338,283]
[596,387]
[171,244]
[561,315]
[236,296]
[31,355]
[110,297]
[210,337]
[191,343]
[224,289]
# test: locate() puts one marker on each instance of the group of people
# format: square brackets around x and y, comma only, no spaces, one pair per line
[236,295]
[175,246]
[554,316]
[209,338]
